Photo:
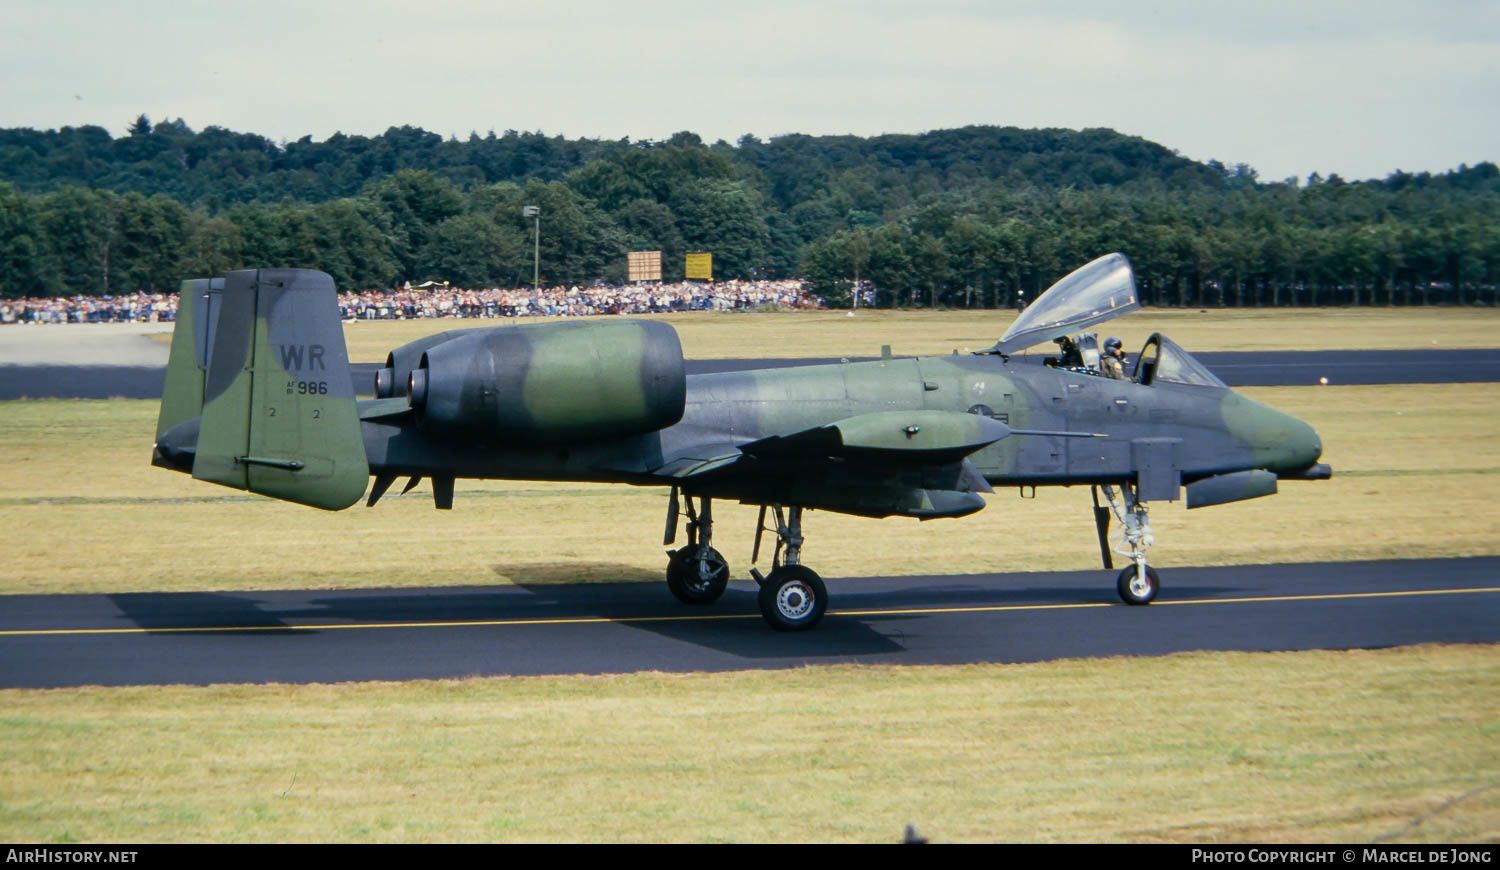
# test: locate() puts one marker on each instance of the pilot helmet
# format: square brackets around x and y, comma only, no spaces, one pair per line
[1112,344]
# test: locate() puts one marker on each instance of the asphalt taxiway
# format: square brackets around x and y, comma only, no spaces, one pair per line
[394,634]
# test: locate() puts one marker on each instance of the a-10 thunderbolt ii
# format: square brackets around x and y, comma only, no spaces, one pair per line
[258,397]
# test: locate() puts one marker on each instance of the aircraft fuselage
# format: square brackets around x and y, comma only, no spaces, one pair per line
[1204,430]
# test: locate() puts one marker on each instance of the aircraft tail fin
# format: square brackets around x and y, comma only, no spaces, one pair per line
[182,394]
[278,409]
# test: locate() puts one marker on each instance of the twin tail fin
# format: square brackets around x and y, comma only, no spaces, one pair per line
[257,394]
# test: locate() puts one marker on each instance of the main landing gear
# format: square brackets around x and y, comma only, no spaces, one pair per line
[1139,582]
[792,597]
[697,573]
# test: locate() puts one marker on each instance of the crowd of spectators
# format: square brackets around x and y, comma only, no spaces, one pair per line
[130,308]
[407,303]
[576,300]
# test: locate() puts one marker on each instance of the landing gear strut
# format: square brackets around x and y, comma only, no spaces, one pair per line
[697,573]
[792,597]
[1138,583]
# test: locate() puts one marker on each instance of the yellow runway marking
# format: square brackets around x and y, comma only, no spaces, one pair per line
[584,620]
[1159,603]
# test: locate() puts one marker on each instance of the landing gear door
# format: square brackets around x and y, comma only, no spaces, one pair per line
[1158,474]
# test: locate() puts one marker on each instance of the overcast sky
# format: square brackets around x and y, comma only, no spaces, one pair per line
[1357,88]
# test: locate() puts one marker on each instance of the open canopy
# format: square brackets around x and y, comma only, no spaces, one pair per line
[1103,289]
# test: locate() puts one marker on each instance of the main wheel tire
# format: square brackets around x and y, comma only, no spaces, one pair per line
[697,578]
[1135,591]
[793,598]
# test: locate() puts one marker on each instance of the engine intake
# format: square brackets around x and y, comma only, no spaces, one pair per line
[551,383]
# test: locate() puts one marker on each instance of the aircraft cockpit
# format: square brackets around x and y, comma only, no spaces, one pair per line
[1077,353]
[1162,360]
[1101,290]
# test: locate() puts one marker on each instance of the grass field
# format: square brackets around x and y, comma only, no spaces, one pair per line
[1308,747]
[1319,746]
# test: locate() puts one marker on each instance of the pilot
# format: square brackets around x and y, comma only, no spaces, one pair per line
[1113,361]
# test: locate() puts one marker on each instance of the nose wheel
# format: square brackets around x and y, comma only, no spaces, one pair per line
[1139,582]
[1137,588]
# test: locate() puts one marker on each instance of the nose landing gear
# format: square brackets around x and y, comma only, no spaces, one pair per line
[1139,582]
[1133,589]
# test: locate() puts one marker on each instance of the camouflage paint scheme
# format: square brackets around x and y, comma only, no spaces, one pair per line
[1213,431]
[258,398]
[755,436]
[277,413]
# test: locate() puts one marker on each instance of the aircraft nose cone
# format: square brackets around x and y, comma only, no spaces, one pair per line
[1303,447]
[1279,442]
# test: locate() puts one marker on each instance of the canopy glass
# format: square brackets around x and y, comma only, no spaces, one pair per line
[1098,291]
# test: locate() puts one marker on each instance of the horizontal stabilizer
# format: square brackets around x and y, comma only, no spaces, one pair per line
[383,409]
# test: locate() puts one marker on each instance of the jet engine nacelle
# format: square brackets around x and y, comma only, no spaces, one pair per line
[551,383]
[390,381]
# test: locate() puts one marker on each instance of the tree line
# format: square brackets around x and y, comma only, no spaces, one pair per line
[980,216]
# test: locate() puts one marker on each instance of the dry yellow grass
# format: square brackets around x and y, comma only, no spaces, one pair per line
[1415,468]
[1222,747]
[788,334]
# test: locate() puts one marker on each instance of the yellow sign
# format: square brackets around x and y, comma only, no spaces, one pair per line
[643,265]
[700,266]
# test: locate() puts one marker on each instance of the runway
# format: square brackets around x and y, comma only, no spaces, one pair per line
[333,636]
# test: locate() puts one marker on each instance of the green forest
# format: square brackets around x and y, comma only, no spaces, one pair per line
[964,217]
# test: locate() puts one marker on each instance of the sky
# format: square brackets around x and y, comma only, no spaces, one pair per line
[1355,88]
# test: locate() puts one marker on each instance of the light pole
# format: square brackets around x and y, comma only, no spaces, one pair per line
[535,213]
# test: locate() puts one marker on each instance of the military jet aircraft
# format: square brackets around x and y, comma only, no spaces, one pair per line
[258,397]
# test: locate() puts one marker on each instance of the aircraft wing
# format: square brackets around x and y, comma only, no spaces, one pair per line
[933,437]
[699,460]
[888,463]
